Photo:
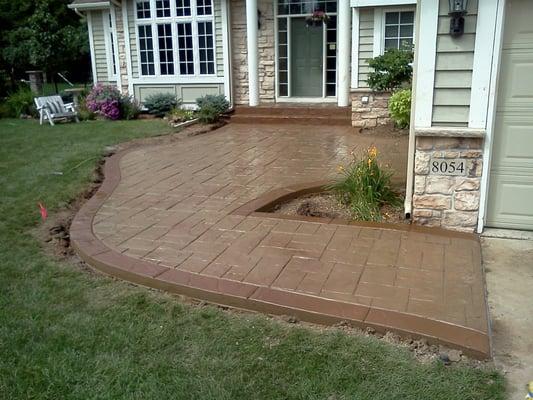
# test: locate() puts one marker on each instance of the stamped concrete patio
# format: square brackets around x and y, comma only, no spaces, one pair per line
[183,217]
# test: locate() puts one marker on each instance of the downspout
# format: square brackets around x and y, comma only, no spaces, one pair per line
[79,13]
[408,203]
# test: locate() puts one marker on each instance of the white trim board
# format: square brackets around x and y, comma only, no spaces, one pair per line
[179,80]
[111,49]
[224,7]
[378,32]
[381,3]
[90,6]
[481,70]
[91,47]
[355,49]
[426,51]
[127,46]
[306,99]
[491,112]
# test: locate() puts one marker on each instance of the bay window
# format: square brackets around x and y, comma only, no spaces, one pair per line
[176,37]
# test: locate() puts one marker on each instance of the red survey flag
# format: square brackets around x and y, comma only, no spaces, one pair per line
[44,213]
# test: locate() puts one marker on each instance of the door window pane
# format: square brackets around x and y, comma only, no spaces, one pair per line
[295,7]
[112,44]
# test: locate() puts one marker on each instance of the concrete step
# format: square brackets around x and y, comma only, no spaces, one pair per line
[293,114]
[293,119]
[317,110]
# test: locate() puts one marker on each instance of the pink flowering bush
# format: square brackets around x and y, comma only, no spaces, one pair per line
[105,100]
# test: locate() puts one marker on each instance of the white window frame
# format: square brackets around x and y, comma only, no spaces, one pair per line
[379,27]
[173,20]
[108,16]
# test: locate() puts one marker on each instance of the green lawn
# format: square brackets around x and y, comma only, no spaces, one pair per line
[69,334]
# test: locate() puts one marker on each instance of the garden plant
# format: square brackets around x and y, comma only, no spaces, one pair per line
[365,186]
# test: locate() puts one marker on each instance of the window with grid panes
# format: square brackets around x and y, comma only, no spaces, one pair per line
[173,31]
[399,30]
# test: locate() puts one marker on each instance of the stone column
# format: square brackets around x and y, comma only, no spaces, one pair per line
[253,65]
[343,52]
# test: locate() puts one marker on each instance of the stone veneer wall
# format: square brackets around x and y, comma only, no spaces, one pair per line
[373,113]
[266,44]
[122,59]
[448,201]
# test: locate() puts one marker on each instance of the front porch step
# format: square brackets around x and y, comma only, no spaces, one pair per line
[281,114]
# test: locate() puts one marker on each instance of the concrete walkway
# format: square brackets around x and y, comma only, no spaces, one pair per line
[183,217]
[509,267]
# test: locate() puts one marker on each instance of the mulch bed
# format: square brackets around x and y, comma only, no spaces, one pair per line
[326,204]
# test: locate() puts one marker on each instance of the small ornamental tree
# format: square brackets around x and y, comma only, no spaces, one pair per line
[391,71]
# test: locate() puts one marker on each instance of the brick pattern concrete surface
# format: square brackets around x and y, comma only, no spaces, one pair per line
[175,209]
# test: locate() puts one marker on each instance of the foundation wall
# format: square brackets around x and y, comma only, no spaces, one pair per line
[370,109]
[440,199]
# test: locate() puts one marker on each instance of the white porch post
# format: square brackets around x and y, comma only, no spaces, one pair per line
[343,52]
[253,70]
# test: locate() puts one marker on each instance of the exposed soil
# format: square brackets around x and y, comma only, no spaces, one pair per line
[385,130]
[327,205]
[54,232]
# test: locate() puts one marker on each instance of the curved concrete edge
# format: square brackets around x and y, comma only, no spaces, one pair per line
[262,206]
[253,297]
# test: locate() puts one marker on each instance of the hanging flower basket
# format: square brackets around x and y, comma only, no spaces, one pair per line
[318,18]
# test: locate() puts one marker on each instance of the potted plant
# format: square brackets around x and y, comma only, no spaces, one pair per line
[318,18]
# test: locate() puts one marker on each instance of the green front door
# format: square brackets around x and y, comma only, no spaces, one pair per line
[306,59]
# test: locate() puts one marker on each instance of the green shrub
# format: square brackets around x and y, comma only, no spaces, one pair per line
[160,104]
[392,70]
[129,107]
[211,108]
[365,187]
[400,107]
[217,102]
[177,115]
[208,114]
[21,103]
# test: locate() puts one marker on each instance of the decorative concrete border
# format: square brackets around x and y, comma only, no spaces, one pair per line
[260,298]
[260,208]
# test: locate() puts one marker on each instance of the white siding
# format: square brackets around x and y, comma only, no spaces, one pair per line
[366,43]
[453,70]
[100,55]
[219,51]
[133,38]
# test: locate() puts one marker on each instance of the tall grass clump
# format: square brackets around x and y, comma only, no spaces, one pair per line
[365,186]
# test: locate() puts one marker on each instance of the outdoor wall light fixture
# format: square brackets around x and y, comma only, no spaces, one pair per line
[259,16]
[457,12]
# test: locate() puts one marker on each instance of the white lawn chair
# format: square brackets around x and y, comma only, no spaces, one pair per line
[52,108]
